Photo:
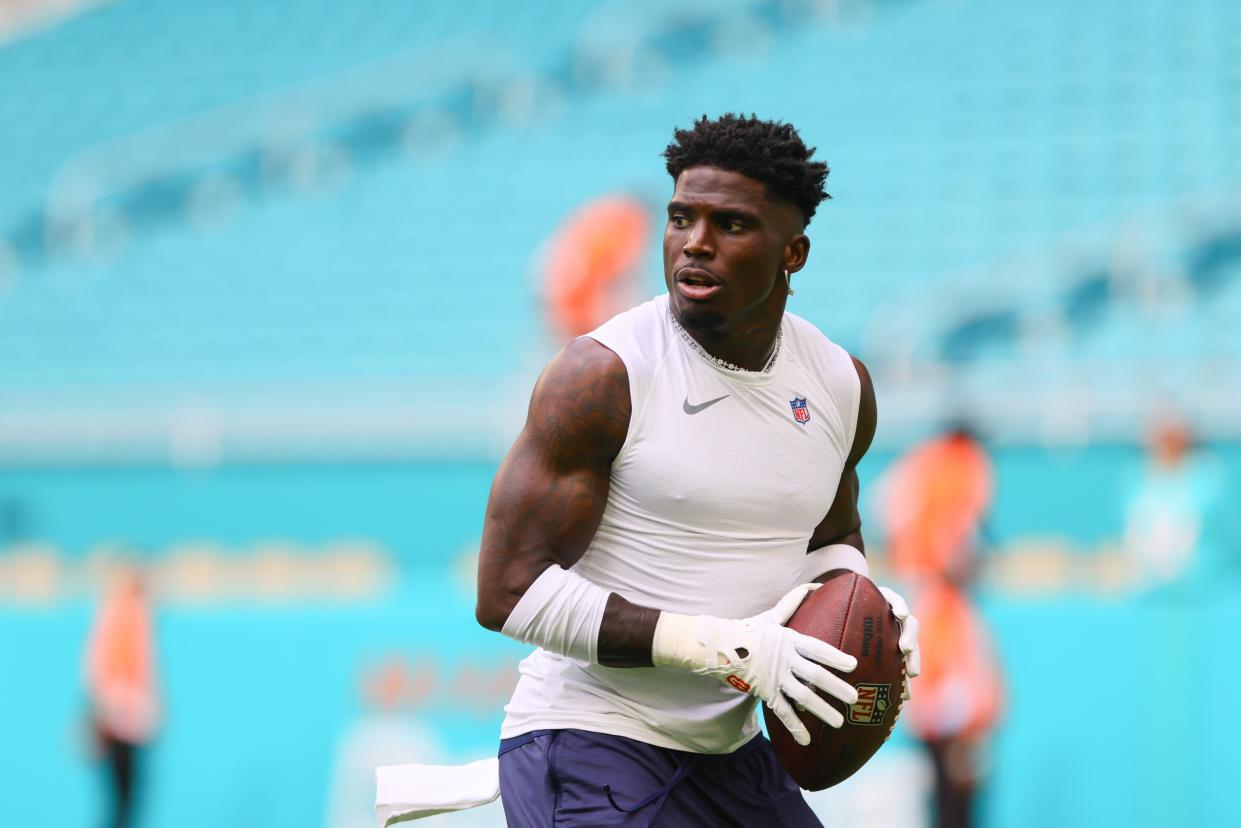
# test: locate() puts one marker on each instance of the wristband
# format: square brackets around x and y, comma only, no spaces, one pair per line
[560,612]
[836,556]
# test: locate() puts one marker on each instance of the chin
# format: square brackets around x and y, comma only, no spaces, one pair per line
[700,319]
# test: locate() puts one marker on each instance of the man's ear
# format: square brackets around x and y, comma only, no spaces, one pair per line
[796,252]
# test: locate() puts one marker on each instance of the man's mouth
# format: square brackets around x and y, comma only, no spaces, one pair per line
[695,283]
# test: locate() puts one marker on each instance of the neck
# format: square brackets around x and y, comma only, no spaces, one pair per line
[749,348]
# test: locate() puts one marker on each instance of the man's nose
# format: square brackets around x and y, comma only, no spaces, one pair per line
[698,242]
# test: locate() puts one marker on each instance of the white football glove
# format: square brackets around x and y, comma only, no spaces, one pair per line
[762,657]
[909,635]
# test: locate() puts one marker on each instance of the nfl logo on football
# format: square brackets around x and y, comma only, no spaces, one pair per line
[801,413]
[872,702]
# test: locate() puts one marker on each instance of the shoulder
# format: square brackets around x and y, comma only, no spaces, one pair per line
[581,362]
[640,336]
[581,403]
[843,375]
[812,342]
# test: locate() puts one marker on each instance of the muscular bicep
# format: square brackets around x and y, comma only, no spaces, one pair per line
[843,522]
[549,494]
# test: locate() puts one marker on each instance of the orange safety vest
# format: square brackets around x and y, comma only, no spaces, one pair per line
[939,494]
[120,669]
[589,255]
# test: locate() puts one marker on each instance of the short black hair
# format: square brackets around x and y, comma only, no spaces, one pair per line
[770,152]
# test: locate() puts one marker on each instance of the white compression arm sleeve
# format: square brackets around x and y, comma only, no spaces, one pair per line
[836,556]
[560,612]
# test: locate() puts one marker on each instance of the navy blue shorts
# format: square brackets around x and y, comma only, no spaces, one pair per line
[566,778]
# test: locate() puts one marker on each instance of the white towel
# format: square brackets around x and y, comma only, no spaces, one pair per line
[405,792]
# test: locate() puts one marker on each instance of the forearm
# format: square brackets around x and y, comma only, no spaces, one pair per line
[627,632]
[566,614]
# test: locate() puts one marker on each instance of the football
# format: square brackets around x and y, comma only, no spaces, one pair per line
[849,613]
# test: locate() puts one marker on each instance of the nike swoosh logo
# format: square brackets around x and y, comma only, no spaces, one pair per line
[694,409]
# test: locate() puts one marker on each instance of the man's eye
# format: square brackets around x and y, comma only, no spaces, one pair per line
[679,221]
[729,226]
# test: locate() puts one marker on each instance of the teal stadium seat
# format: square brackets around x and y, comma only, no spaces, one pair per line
[961,136]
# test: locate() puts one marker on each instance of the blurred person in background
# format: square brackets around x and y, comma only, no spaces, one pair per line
[934,501]
[1171,518]
[121,688]
[590,264]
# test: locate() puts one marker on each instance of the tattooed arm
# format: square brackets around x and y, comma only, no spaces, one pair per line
[549,494]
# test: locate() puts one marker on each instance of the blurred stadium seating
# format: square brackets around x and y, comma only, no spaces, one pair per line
[1045,186]
[248,248]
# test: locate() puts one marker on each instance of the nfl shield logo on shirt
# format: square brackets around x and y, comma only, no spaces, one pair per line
[800,412]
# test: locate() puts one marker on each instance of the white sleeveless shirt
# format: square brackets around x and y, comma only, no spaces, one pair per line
[714,495]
